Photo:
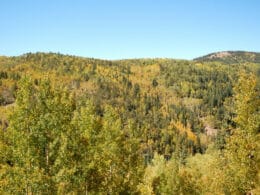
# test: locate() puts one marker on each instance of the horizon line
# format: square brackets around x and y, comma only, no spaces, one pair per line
[130,58]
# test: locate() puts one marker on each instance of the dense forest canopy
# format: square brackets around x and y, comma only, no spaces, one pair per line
[74,125]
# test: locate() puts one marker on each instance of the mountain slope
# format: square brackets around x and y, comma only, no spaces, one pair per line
[88,124]
[231,57]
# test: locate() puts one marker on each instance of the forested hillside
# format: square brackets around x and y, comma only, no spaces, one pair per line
[74,125]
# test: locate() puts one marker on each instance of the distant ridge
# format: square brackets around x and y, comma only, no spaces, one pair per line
[231,57]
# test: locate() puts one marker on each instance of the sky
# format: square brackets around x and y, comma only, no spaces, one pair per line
[119,29]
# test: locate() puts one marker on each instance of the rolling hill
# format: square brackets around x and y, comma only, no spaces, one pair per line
[231,57]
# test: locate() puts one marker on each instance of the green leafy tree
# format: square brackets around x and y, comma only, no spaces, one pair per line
[79,158]
[40,117]
[241,150]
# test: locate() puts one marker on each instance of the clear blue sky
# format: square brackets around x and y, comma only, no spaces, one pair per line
[114,29]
